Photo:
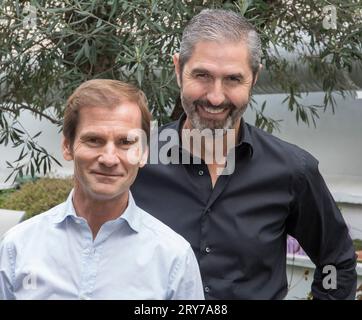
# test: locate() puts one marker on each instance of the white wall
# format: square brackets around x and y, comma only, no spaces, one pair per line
[337,140]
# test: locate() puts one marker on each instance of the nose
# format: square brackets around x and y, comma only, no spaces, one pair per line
[109,156]
[216,94]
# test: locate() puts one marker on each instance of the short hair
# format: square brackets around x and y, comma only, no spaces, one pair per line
[218,25]
[103,93]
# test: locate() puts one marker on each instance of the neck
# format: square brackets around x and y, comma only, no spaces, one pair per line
[98,211]
[209,147]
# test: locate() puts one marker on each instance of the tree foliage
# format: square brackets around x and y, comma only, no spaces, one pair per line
[49,47]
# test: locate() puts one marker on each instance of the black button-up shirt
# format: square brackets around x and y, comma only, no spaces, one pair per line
[238,229]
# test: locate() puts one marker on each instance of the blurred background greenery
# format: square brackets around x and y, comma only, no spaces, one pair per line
[49,47]
[36,196]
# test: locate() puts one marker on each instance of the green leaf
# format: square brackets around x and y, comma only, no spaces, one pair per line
[139,74]
[32,171]
[9,165]
[86,49]
[56,161]
[9,176]
[44,166]
[37,135]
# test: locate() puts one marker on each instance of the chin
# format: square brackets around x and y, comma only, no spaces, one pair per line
[201,124]
[103,194]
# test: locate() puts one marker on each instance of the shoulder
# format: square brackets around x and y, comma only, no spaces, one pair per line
[164,236]
[299,158]
[21,233]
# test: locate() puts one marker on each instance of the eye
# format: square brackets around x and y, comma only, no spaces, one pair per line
[233,79]
[124,142]
[202,76]
[93,141]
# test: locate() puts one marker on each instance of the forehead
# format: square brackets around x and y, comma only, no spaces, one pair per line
[126,116]
[220,57]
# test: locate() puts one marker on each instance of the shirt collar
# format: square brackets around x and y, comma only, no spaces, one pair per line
[66,209]
[132,214]
[244,137]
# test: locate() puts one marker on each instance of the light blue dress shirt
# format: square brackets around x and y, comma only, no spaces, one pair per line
[53,256]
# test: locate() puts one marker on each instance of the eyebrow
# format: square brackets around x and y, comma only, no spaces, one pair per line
[92,134]
[201,70]
[236,75]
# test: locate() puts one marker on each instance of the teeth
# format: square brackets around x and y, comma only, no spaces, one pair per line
[214,110]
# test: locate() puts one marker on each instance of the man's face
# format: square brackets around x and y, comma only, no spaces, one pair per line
[216,84]
[103,169]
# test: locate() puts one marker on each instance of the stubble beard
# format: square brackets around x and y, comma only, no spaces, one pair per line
[190,108]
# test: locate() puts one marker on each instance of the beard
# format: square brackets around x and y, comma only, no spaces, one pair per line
[197,122]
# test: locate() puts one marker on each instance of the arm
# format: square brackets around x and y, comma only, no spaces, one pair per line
[185,282]
[6,288]
[316,222]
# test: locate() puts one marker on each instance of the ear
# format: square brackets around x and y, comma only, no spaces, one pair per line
[257,74]
[144,157]
[67,149]
[176,62]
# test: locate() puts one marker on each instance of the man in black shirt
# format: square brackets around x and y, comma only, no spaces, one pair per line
[237,209]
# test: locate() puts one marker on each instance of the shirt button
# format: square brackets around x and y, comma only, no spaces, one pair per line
[207,249]
[201,172]
[207,289]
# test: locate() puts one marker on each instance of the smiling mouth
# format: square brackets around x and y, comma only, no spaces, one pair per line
[214,110]
[106,174]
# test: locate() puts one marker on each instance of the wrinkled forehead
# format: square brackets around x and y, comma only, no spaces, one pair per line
[126,116]
[220,57]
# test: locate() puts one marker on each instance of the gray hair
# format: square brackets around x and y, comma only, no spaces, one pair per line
[216,25]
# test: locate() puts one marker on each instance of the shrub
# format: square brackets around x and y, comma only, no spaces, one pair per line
[3,195]
[39,196]
[357,244]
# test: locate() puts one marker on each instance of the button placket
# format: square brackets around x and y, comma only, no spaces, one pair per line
[89,267]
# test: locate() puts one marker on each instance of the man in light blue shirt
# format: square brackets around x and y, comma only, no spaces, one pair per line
[99,244]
